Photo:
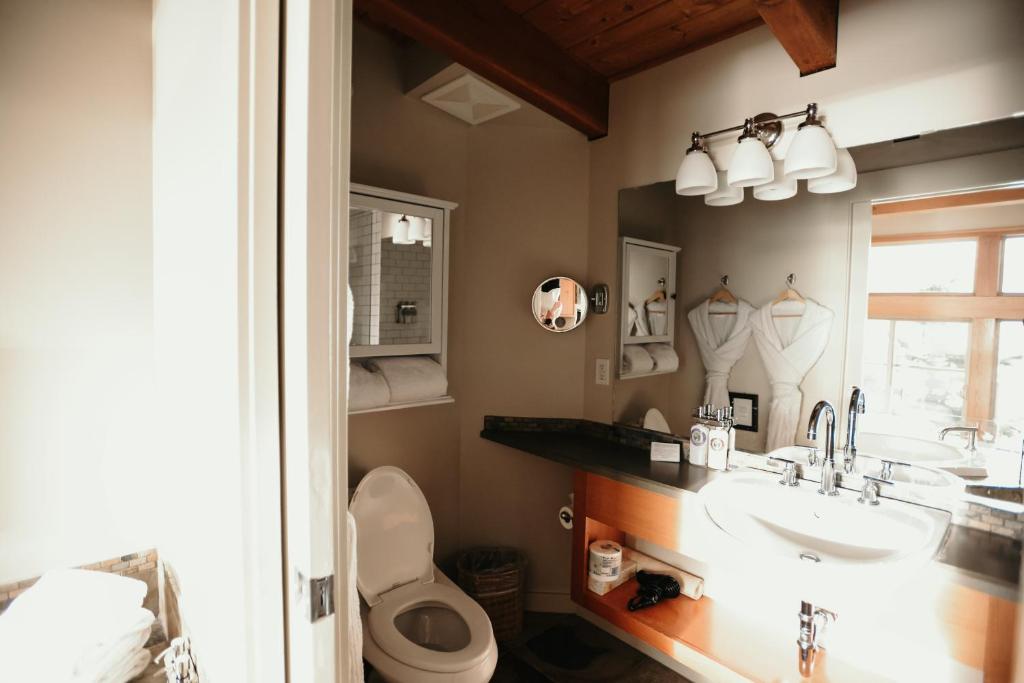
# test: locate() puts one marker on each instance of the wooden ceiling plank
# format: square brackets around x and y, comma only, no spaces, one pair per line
[663,33]
[570,22]
[493,41]
[522,6]
[807,30]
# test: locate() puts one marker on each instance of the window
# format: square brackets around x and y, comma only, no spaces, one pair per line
[944,342]
[923,267]
[1013,266]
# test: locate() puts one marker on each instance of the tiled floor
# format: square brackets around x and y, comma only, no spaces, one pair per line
[563,648]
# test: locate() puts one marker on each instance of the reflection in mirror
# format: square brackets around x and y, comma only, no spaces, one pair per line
[559,304]
[647,287]
[390,272]
[926,297]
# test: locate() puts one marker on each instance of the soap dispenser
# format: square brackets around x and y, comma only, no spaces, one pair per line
[718,442]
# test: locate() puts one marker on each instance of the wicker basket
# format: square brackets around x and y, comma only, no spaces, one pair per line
[495,578]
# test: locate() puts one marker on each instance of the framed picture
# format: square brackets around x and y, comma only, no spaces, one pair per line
[744,411]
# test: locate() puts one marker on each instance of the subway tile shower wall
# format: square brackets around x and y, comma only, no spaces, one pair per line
[405,276]
[364,275]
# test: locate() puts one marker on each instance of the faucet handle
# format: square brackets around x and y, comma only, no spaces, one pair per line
[869,494]
[790,475]
[887,465]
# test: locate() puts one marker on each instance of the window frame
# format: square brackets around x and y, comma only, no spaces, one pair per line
[983,309]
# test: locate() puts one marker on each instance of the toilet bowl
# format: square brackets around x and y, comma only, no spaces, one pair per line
[417,625]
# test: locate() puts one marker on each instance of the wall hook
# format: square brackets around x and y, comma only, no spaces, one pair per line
[790,279]
[725,280]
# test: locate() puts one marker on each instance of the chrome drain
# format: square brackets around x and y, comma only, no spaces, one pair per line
[810,556]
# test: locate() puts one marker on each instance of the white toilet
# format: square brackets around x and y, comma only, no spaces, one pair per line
[418,627]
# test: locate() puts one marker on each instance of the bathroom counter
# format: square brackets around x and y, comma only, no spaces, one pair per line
[613,451]
[987,561]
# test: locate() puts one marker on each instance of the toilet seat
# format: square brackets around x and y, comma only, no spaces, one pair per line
[387,636]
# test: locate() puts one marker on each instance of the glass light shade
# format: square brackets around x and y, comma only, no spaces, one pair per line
[429,242]
[401,233]
[388,224]
[725,195]
[428,228]
[417,228]
[696,174]
[812,154]
[780,188]
[845,177]
[751,164]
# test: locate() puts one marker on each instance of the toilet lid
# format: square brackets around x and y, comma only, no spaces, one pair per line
[394,533]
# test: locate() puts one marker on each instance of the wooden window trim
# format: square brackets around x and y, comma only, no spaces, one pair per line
[948,235]
[983,310]
[947,201]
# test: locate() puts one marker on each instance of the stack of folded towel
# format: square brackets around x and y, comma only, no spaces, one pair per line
[638,359]
[76,626]
[396,379]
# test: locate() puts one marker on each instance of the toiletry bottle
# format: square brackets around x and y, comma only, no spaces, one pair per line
[718,444]
[699,440]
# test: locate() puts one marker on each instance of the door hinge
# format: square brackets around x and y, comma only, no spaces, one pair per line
[321,597]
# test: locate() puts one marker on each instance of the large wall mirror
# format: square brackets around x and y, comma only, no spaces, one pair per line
[919,270]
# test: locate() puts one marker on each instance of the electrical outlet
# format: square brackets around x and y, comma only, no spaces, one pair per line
[602,370]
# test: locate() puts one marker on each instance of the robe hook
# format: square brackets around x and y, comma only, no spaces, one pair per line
[790,279]
[725,280]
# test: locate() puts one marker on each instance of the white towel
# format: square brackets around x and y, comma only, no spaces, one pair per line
[657,317]
[636,360]
[130,669]
[355,623]
[411,378]
[665,358]
[366,389]
[118,645]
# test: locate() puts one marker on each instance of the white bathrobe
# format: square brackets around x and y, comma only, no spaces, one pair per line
[789,348]
[722,340]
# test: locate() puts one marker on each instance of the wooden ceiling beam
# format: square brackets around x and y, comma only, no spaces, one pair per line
[493,41]
[807,29]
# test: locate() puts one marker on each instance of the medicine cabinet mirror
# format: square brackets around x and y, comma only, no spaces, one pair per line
[648,294]
[397,271]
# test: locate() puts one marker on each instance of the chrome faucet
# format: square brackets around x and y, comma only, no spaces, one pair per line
[828,465]
[971,431]
[856,408]
[814,623]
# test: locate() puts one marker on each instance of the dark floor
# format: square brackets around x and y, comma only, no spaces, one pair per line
[563,648]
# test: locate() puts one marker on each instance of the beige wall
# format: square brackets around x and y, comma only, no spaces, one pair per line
[521,185]
[896,61]
[76,460]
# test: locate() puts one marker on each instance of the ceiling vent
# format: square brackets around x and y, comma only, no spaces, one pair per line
[471,100]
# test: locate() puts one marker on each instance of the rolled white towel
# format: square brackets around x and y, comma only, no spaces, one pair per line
[665,358]
[130,669]
[113,649]
[636,359]
[411,378]
[366,389]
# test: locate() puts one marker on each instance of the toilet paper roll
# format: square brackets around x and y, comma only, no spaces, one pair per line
[565,517]
[605,560]
[690,585]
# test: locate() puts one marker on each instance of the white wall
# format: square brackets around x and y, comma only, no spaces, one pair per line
[903,68]
[77,461]
[214,275]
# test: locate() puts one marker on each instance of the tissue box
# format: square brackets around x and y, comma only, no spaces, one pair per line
[626,572]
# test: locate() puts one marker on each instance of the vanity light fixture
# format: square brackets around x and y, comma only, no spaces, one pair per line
[696,174]
[812,155]
[725,195]
[401,233]
[780,188]
[844,178]
[417,229]
[751,163]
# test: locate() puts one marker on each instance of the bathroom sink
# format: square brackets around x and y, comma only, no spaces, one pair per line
[921,478]
[819,545]
[910,449]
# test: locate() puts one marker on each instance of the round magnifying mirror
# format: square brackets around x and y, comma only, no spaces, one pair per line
[560,304]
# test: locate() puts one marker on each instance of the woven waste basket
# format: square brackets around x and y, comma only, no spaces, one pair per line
[496,578]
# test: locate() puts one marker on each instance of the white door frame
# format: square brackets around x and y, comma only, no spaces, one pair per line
[314,237]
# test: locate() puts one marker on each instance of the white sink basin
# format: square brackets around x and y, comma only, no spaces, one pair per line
[923,479]
[909,449]
[829,548]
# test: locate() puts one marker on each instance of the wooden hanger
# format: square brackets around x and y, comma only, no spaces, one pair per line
[659,295]
[723,295]
[788,294]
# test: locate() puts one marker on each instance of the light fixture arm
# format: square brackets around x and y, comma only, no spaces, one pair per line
[756,124]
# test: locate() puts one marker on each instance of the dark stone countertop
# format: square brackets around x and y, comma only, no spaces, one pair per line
[622,453]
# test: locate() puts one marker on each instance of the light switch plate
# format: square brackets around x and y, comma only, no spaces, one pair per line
[602,371]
